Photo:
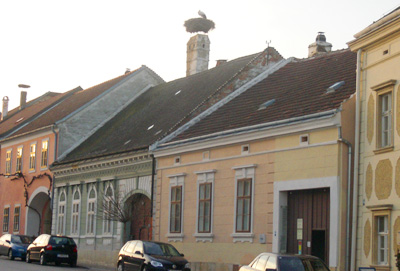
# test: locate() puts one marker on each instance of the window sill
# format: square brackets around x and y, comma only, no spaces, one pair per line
[175,237]
[242,237]
[381,267]
[204,237]
[383,150]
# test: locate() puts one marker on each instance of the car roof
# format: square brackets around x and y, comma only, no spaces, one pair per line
[302,256]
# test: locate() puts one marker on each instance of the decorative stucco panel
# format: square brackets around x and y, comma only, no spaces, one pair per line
[370,118]
[368,182]
[367,238]
[383,179]
[396,229]
[397,178]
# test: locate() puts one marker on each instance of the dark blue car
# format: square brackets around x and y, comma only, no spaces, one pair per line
[14,245]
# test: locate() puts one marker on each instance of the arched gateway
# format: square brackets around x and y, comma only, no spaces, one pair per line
[140,223]
[38,213]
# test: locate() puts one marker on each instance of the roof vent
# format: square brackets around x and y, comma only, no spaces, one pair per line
[334,87]
[266,104]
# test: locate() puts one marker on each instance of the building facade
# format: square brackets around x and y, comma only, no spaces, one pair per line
[269,170]
[378,139]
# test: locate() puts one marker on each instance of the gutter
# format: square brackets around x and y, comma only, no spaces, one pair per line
[356,161]
[325,114]
[348,209]
[55,159]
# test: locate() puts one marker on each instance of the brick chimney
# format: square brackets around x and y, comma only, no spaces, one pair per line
[198,52]
[220,62]
[5,107]
[320,46]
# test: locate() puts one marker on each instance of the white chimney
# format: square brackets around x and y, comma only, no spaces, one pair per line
[5,107]
[320,46]
[198,52]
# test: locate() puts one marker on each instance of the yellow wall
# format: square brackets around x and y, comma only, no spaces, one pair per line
[276,159]
[378,171]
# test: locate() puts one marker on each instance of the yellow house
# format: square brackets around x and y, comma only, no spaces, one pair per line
[378,140]
[266,170]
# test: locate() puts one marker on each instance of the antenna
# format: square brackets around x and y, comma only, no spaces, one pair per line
[268,43]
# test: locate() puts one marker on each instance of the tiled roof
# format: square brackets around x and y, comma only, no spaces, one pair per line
[18,117]
[298,89]
[156,111]
[70,104]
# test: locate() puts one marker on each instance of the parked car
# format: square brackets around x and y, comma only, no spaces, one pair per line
[139,255]
[14,245]
[52,248]
[285,262]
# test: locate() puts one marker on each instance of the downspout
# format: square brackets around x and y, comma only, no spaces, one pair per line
[356,166]
[153,173]
[54,177]
[348,209]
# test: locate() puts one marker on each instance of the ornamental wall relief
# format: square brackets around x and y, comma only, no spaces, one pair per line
[383,179]
[367,238]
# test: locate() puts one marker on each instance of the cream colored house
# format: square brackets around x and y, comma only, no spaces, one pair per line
[266,170]
[378,142]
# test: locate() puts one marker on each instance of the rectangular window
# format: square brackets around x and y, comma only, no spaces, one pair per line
[90,224]
[385,111]
[44,161]
[19,160]
[61,213]
[176,209]
[75,217]
[32,157]
[8,162]
[243,205]
[382,240]
[16,219]
[6,215]
[205,191]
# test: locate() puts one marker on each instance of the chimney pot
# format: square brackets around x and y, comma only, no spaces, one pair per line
[220,62]
[5,107]
[127,70]
[23,100]
[320,46]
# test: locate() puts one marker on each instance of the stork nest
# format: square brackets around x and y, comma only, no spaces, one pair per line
[199,25]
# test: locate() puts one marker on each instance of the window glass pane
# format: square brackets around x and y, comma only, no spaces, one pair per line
[202,192]
[240,188]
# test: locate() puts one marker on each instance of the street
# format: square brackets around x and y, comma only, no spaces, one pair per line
[18,265]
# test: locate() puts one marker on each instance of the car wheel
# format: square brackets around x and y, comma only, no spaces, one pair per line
[10,255]
[42,259]
[28,257]
[121,267]
[73,264]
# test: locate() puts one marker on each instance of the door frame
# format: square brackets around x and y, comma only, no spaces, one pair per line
[281,189]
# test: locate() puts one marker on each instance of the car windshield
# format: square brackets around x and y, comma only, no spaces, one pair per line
[318,265]
[21,239]
[61,241]
[160,249]
[290,264]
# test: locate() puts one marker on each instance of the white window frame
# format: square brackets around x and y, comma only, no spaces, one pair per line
[176,180]
[44,166]
[107,224]
[204,177]
[7,207]
[8,166]
[75,212]
[244,172]
[382,245]
[32,157]
[18,222]
[19,160]
[91,213]
[61,213]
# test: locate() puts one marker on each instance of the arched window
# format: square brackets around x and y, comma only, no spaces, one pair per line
[76,201]
[91,211]
[61,213]
[108,210]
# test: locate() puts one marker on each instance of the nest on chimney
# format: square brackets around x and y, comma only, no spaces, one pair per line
[199,25]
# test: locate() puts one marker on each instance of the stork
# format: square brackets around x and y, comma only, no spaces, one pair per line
[202,14]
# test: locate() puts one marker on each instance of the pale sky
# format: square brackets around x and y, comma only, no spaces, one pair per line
[59,45]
